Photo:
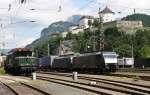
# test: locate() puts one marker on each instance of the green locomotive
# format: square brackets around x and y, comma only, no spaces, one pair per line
[20,61]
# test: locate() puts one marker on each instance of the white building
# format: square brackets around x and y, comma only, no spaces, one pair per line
[73,27]
[64,34]
[107,15]
[84,21]
[73,31]
[2,59]
[76,31]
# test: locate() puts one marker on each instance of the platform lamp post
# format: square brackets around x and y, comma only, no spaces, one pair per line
[101,34]
[132,45]
[0,48]
[48,49]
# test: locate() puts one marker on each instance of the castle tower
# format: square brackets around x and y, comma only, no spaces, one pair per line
[107,15]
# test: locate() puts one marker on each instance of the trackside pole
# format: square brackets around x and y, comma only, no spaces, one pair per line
[75,75]
[34,76]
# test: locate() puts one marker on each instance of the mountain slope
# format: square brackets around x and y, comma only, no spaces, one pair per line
[4,51]
[74,19]
[56,27]
[46,32]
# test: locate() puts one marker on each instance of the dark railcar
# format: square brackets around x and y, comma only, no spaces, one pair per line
[62,64]
[45,63]
[142,63]
[89,63]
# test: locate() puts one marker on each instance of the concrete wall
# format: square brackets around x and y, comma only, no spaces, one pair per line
[124,25]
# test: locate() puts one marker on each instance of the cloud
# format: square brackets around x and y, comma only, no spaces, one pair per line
[44,14]
[25,41]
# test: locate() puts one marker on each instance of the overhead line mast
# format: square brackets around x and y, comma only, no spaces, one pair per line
[101,34]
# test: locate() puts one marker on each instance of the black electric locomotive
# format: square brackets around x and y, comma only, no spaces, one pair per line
[89,62]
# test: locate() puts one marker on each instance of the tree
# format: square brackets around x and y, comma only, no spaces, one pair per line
[80,43]
[95,23]
[145,51]
[42,49]
[118,41]
[112,38]
[123,50]
[70,36]
[142,40]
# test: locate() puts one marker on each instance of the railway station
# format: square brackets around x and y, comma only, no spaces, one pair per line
[74,47]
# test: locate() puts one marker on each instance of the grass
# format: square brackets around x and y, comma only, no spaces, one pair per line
[136,78]
[2,71]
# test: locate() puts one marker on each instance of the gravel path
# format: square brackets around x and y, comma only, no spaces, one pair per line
[49,87]
[19,88]
[58,89]
[5,90]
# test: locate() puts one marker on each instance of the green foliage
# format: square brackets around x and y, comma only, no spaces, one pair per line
[115,40]
[95,23]
[142,43]
[145,51]
[123,50]
[2,71]
[54,43]
[42,49]
[70,36]
[122,43]
[136,78]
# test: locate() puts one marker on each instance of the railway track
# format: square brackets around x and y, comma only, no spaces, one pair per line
[107,85]
[5,90]
[83,86]
[147,70]
[20,88]
[146,78]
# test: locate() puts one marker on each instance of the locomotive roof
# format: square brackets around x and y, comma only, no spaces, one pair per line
[26,57]
[19,49]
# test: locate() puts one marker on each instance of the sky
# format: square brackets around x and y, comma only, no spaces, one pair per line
[18,30]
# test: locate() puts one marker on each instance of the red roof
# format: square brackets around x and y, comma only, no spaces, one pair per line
[20,49]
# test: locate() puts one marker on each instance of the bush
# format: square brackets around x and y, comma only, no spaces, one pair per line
[136,78]
[2,71]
